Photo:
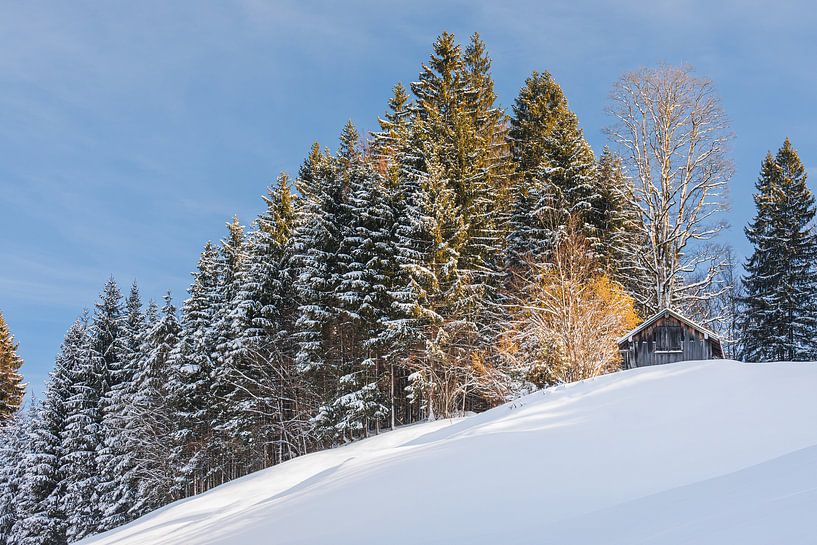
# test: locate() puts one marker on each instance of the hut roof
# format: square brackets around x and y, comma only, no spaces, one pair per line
[668,312]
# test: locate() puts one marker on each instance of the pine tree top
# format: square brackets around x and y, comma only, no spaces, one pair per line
[12,389]
[349,147]
[538,110]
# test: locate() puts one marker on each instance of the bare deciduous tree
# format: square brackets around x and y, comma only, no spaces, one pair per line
[674,134]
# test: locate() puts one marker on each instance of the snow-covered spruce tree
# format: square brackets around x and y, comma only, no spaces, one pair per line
[118,332]
[123,505]
[457,127]
[363,300]
[537,110]
[442,367]
[316,240]
[780,317]
[13,450]
[557,174]
[388,144]
[149,417]
[38,520]
[191,367]
[81,438]
[114,365]
[464,132]
[225,451]
[403,329]
[266,416]
[42,515]
[493,164]
[617,222]
[12,388]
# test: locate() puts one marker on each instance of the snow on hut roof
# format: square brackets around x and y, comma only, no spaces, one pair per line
[668,312]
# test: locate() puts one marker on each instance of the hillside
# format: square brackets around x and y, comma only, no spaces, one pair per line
[704,452]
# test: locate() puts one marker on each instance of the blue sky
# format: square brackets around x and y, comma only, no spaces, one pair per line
[130,132]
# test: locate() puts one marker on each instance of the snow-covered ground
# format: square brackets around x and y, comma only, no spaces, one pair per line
[695,453]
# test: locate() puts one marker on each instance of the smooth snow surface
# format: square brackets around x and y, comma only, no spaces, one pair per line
[691,453]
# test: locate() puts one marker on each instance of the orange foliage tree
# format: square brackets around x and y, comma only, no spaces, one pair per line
[566,320]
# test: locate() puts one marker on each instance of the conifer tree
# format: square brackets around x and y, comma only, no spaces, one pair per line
[223,449]
[13,447]
[363,301]
[780,319]
[117,462]
[12,388]
[557,172]
[327,343]
[42,519]
[434,304]
[539,108]
[389,143]
[82,437]
[316,239]
[403,329]
[192,362]
[115,331]
[617,221]
[149,417]
[570,169]
[459,127]
[263,408]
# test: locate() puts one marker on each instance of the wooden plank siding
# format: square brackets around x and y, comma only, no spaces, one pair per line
[667,340]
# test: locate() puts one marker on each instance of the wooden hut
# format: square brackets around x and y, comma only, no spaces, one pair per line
[667,337]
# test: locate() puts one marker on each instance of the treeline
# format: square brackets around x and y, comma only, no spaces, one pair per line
[457,258]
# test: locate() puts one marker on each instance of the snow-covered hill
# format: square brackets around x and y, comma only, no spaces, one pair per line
[694,453]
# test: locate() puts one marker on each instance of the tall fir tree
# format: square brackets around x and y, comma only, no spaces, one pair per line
[122,329]
[539,108]
[13,448]
[82,436]
[557,173]
[115,365]
[460,129]
[149,415]
[224,449]
[617,222]
[192,363]
[432,301]
[260,357]
[404,328]
[362,296]
[12,389]
[780,319]
[316,239]
[42,519]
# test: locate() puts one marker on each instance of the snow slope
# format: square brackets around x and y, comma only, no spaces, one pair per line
[691,453]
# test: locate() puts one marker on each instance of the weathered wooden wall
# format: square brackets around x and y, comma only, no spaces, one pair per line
[641,351]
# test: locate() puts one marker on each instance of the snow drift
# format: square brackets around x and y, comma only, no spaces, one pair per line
[697,452]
